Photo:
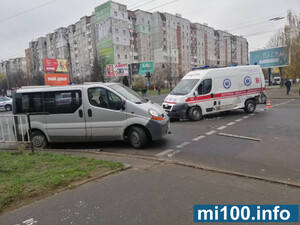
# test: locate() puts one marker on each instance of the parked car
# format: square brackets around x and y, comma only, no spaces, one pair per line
[276,81]
[267,82]
[6,103]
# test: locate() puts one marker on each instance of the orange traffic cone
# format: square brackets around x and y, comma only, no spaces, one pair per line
[269,103]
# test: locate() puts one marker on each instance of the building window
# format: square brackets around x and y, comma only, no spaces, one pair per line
[125,56]
[124,32]
[119,56]
[117,30]
[115,13]
[117,38]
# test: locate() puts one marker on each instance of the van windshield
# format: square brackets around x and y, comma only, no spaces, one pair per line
[128,93]
[184,87]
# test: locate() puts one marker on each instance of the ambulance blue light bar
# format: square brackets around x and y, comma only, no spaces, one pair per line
[200,68]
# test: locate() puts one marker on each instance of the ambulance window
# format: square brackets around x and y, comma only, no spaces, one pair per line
[204,87]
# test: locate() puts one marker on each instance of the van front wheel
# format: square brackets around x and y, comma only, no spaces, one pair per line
[137,137]
[195,113]
[39,140]
[250,106]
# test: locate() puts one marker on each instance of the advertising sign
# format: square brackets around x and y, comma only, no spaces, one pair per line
[56,65]
[56,79]
[106,49]
[135,67]
[117,70]
[102,12]
[146,67]
[269,58]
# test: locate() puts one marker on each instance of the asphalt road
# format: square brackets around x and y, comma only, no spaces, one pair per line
[275,157]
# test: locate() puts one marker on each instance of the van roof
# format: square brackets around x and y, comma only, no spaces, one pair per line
[46,88]
[199,74]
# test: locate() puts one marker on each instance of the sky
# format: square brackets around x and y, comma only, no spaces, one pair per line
[22,21]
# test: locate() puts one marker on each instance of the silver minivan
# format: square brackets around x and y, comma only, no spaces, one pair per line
[90,112]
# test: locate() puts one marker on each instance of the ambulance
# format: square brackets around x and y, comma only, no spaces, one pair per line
[202,92]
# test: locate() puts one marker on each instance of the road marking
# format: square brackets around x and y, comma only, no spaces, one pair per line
[161,154]
[231,123]
[283,103]
[222,127]
[198,138]
[183,144]
[245,117]
[238,136]
[253,114]
[173,153]
[211,132]
[238,120]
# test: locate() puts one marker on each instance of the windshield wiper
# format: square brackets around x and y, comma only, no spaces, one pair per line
[178,93]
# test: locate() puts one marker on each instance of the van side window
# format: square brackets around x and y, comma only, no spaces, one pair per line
[64,101]
[100,97]
[204,87]
[30,102]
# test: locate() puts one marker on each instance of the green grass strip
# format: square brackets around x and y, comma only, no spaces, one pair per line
[27,175]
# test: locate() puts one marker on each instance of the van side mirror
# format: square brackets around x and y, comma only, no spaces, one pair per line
[119,105]
[196,93]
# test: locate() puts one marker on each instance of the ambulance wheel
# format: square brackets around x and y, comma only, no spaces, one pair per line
[137,137]
[195,113]
[250,106]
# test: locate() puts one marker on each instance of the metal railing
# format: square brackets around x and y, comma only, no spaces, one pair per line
[15,129]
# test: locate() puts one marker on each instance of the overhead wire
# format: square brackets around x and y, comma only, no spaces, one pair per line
[26,11]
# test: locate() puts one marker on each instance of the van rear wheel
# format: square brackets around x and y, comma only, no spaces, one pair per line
[137,137]
[39,140]
[195,113]
[250,106]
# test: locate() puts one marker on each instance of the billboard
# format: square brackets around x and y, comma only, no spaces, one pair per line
[117,70]
[102,12]
[106,49]
[57,79]
[146,67]
[269,58]
[56,65]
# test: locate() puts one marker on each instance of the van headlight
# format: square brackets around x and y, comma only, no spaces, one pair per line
[155,115]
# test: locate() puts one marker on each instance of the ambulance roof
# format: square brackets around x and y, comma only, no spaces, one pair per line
[199,74]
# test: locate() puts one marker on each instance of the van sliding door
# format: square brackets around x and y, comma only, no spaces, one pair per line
[66,122]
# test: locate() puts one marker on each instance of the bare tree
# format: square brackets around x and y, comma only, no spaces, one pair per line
[289,36]
[18,79]
[99,70]
[276,40]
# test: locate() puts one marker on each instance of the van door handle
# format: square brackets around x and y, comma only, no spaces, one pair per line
[80,113]
[211,95]
[90,112]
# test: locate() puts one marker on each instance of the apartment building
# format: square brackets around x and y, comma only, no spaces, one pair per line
[120,36]
[82,47]
[133,37]
[112,33]
[38,51]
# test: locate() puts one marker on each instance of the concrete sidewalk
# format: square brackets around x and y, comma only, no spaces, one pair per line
[277,92]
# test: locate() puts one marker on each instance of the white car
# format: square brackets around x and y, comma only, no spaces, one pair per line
[6,103]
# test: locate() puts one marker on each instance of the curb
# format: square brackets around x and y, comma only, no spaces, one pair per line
[79,183]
